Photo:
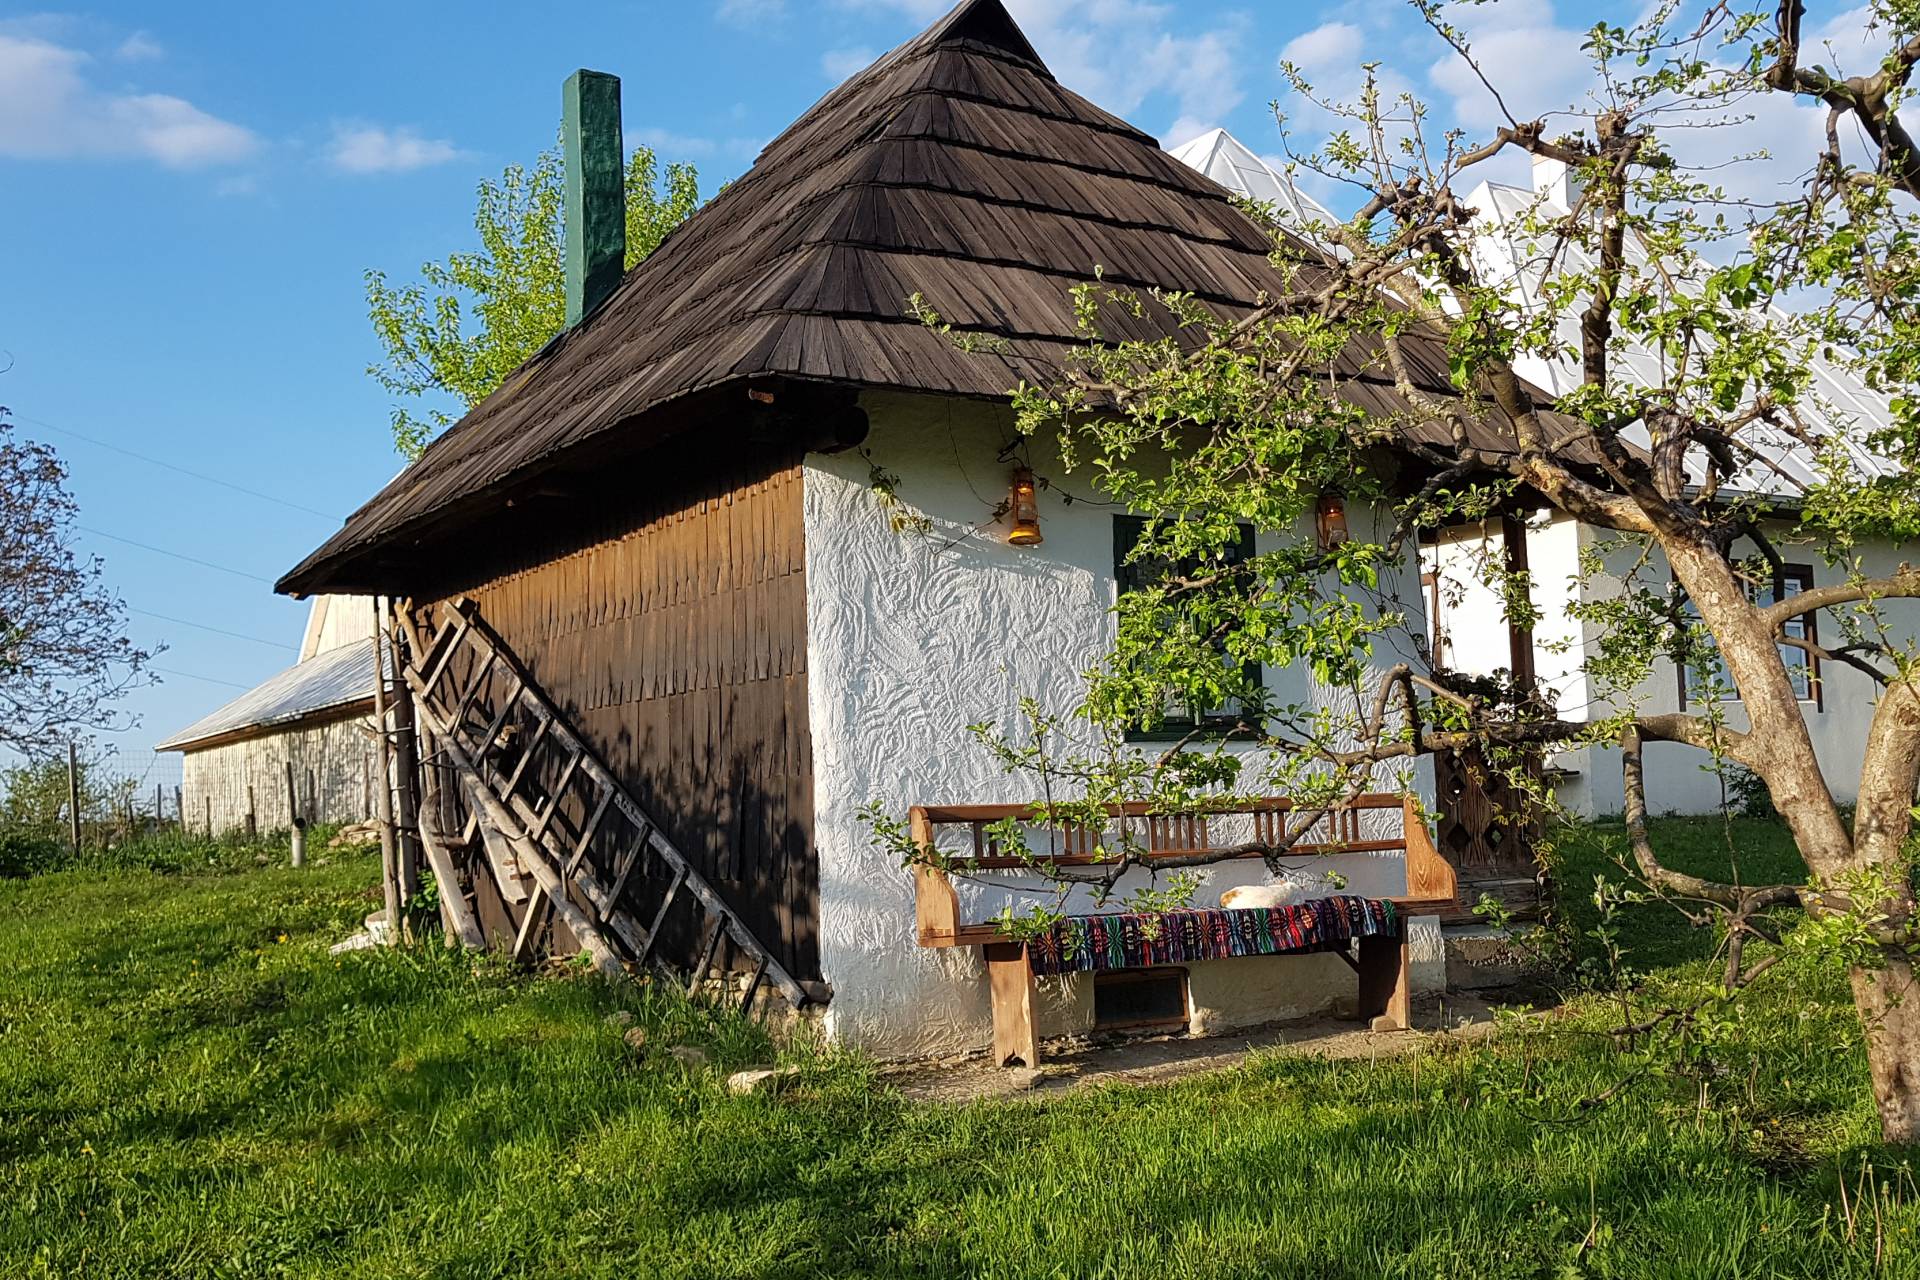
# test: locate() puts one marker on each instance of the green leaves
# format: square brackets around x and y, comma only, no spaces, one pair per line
[455,334]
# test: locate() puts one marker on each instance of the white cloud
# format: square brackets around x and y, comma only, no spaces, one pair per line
[139,47]
[839,64]
[1120,53]
[1330,45]
[670,146]
[1536,64]
[1759,147]
[49,109]
[371,148]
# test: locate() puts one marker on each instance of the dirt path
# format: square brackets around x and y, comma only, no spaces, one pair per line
[1163,1058]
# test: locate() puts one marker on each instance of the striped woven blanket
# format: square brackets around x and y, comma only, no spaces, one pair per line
[1128,941]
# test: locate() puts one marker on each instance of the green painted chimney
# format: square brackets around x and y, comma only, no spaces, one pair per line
[596,196]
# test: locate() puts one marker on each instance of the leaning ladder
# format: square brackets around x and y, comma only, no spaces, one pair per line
[516,831]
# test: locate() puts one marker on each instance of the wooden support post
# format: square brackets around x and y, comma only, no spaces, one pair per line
[407,768]
[207,802]
[1386,982]
[383,771]
[936,908]
[253,815]
[1016,1037]
[73,796]
[180,810]
[297,822]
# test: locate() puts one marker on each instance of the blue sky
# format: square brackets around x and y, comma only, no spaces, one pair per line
[193,191]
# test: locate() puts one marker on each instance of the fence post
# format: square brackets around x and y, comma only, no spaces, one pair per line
[73,795]
[208,798]
[180,810]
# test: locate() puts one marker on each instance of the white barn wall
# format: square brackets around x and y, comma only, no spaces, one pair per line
[911,638]
[337,751]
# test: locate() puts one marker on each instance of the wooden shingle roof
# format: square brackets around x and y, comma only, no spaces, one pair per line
[955,167]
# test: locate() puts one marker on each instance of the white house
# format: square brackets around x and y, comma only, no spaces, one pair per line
[316,715]
[727,562]
[1469,630]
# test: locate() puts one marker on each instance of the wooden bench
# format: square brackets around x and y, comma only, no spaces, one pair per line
[1381,962]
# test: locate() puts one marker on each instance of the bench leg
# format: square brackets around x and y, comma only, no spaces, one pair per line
[1011,980]
[1386,983]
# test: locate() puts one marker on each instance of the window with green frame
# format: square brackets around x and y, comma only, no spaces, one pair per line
[1134,575]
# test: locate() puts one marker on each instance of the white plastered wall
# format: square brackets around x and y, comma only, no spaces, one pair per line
[914,636]
[1679,778]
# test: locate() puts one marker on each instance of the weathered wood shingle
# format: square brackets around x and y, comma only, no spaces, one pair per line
[955,168]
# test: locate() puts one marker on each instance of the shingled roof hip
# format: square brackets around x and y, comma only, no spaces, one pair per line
[955,167]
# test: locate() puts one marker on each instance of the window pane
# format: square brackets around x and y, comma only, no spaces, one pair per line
[1136,575]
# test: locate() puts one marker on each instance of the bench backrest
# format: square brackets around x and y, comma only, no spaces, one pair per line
[1431,884]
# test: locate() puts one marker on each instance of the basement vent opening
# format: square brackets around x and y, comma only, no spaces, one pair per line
[1140,1000]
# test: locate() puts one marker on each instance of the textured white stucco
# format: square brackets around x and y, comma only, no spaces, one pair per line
[914,636]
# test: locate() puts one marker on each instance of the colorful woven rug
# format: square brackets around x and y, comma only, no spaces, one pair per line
[1079,944]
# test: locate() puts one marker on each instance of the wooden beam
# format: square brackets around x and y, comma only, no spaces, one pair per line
[936,908]
[496,823]
[1386,982]
[1429,875]
[1010,979]
[458,916]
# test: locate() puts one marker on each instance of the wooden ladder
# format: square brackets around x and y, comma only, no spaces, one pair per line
[512,822]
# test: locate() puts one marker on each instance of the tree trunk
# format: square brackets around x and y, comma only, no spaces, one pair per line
[1889,1005]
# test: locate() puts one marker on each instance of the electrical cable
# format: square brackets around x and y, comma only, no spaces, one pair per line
[197,475]
[207,564]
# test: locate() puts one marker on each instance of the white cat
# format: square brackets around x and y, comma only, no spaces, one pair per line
[1280,893]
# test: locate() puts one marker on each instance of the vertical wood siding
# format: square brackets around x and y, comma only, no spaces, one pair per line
[332,770]
[671,629]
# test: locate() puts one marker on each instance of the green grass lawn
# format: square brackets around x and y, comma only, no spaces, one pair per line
[190,1085]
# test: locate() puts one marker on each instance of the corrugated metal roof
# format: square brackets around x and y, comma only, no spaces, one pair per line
[335,678]
[1233,165]
[1507,253]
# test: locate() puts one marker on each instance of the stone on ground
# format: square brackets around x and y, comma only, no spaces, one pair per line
[760,1079]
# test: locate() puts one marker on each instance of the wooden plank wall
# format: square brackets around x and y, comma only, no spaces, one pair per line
[333,772]
[673,633]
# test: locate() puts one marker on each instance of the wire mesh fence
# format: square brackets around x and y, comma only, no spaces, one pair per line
[76,793]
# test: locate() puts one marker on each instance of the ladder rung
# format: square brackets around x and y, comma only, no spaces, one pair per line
[660,916]
[526,757]
[479,680]
[587,832]
[753,986]
[707,952]
[539,831]
[499,721]
[440,665]
[625,869]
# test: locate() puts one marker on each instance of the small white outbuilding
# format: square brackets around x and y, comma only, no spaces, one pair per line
[316,715]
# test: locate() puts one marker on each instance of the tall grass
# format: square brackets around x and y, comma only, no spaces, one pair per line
[190,1085]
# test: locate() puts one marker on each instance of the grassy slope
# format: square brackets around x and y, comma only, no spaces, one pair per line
[190,1085]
